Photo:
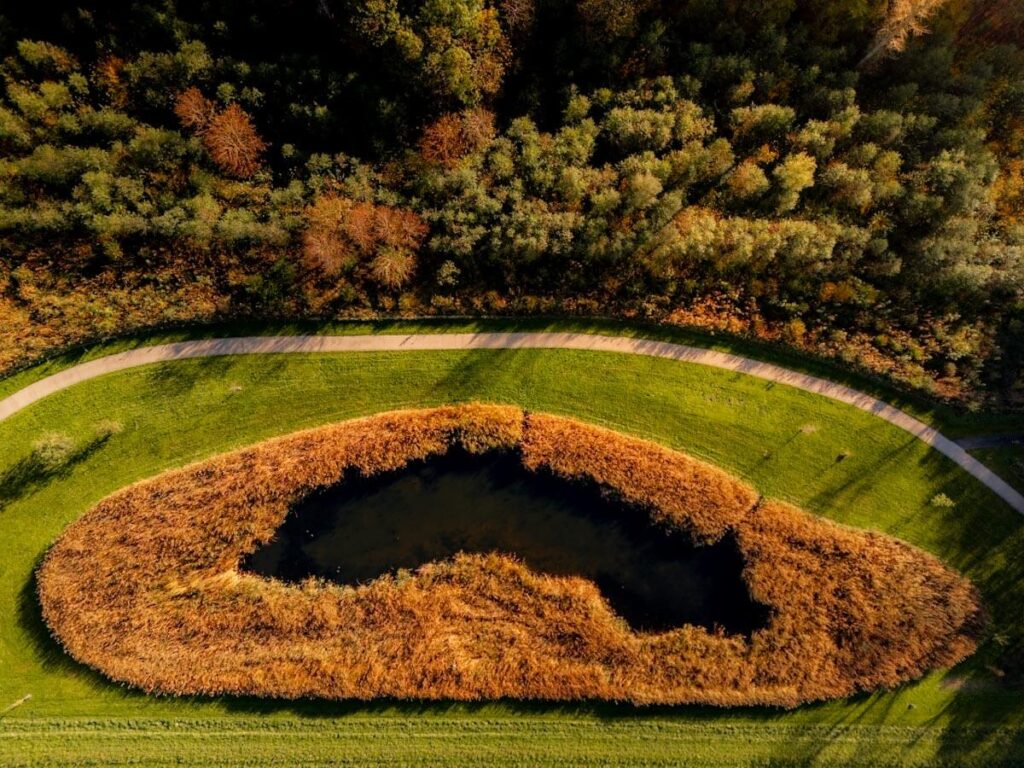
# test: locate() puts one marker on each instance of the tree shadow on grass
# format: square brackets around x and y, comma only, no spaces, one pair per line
[965,536]
[474,370]
[981,535]
[176,377]
[31,472]
[983,723]
[984,728]
[847,491]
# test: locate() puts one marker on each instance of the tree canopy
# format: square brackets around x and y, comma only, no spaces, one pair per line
[846,176]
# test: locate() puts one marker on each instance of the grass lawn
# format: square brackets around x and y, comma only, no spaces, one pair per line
[954,422]
[176,413]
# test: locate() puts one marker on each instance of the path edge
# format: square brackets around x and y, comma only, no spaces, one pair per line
[305,344]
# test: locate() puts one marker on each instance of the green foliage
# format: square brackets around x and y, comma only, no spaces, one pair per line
[762,123]
[596,126]
[793,175]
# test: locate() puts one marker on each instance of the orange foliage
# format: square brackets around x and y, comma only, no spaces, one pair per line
[1008,192]
[904,19]
[323,245]
[678,490]
[455,135]
[146,587]
[52,309]
[228,134]
[341,233]
[360,227]
[108,76]
[194,110]
[233,142]
[721,312]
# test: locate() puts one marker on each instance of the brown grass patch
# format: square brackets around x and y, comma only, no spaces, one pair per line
[146,588]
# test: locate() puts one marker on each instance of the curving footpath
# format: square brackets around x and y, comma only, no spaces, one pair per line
[462,341]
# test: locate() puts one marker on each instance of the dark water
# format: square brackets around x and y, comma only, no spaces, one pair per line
[653,577]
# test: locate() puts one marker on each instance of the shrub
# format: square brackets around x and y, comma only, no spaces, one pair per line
[392,268]
[108,428]
[53,450]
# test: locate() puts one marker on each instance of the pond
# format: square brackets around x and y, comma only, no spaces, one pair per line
[654,577]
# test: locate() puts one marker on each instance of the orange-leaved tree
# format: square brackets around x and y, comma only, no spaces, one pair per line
[228,134]
[381,240]
[455,135]
[233,142]
[194,110]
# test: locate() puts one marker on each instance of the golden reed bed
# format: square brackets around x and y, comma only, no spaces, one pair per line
[146,588]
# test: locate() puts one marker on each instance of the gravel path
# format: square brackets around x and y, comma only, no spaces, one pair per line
[458,341]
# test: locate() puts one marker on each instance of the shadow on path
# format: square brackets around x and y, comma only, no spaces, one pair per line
[991,441]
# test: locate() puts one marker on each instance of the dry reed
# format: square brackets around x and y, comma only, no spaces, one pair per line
[146,588]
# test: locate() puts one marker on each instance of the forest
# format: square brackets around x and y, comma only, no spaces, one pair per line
[841,176]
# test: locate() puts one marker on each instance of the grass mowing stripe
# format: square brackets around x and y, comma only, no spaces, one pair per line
[597,745]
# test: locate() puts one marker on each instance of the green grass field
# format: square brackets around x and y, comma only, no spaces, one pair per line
[953,421]
[176,413]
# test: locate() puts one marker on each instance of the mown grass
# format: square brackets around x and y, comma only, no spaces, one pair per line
[785,442]
[954,421]
[409,739]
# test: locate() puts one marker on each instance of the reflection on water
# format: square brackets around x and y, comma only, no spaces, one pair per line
[653,577]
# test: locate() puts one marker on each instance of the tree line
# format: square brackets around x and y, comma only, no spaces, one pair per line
[844,176]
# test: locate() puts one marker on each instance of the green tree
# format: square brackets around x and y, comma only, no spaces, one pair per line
[792,176]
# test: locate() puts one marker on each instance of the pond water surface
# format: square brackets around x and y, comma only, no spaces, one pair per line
[653,577]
